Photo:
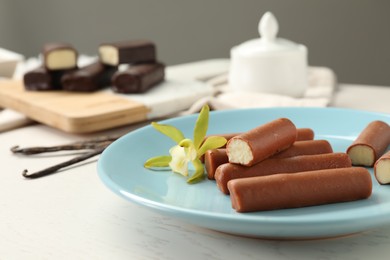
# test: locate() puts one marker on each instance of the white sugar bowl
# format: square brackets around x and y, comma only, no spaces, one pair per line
[269,64]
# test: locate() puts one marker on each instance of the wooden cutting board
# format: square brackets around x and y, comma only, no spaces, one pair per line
[89,112]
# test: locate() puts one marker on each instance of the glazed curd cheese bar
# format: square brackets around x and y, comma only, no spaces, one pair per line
[230,171]
[216,157]
[261,142]
[213,159]
[301,189]
[89,78]
[57,59]
[60,71]
[138,78]
[382,169]
[370,144]
[303,134]
[59,56]
[127,52]
[42,79]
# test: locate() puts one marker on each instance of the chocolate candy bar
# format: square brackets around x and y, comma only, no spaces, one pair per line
[89,78]
[382,169]
[43,79]
[261,142]
[59,56]
[127,52]
[370,144]
[216,157]
[302,189]
[213,159]
[138,78]
[229,171]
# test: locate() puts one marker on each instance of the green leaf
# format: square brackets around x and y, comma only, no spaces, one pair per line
[212,142]
[201,126]
[170,131]
[158,161]
[198,174]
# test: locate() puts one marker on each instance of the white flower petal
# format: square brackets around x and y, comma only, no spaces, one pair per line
[179,162]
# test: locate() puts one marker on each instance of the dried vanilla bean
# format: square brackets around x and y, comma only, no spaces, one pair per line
[95,146]
[88,144]
[68,147]
[59,166]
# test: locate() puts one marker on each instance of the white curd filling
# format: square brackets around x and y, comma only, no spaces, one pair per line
[61,59]
[382,171]
[362,155]
[109,55]
[239,152]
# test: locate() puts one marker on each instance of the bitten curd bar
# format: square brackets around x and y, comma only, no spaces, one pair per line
[370,144]
[261,142]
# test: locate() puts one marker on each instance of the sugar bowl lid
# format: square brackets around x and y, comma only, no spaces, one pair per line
[268,42]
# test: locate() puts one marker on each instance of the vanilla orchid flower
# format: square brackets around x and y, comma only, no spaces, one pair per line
[187,151]
[181,157]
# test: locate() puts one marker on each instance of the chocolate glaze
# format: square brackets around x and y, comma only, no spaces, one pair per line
[307,147]
[305,134]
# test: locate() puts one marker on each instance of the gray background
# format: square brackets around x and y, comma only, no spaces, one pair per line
[351,37]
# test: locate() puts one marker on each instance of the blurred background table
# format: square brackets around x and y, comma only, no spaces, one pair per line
[72,215]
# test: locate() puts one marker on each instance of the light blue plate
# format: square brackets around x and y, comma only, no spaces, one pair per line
[121,168]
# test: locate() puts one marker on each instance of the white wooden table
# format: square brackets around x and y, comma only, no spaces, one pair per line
[72,215]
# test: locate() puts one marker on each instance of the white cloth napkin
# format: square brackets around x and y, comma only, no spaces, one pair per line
[322,83]
[10,119]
